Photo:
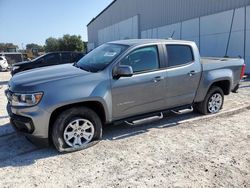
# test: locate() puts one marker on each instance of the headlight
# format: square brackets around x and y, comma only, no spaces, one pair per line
[15,67]
[18,99]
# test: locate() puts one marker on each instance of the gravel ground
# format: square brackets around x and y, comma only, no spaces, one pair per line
[179,151]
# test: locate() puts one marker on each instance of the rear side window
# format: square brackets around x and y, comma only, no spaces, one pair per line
[52,58]
[142,59]
[66,57]
[179,55]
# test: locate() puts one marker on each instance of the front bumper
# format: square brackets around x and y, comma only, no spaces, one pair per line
[20,123]
[32,122]
[13,72]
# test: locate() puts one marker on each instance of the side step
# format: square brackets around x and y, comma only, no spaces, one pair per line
[144,120]
[183,111]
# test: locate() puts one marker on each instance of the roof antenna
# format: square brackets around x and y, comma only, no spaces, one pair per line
[230,33]
[172,34]
[171,38]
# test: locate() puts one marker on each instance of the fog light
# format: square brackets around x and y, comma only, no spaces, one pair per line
[28,126]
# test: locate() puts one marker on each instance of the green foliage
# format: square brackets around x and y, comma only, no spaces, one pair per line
[34,46]
[51,45]
[5,46]
[66,43]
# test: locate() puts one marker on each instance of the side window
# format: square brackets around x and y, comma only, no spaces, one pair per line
[52,59]
[1,58]
[66,58]
[179,55]
[143,59]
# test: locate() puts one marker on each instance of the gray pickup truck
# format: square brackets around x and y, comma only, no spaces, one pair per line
[121,81]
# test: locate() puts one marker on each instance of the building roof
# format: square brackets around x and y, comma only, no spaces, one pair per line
[102,12]
[1,53]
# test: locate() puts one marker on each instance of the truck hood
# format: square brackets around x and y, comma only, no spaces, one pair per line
[44,75]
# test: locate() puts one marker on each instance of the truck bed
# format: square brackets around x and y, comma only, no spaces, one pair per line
[211,63]
[216,69]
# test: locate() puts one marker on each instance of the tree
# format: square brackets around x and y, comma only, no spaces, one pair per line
[51,45]
[66,43]
[34,46]
[2,47]
[71,43]
[5,46]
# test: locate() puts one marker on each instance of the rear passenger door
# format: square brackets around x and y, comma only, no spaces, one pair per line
[183,75]
[145,90]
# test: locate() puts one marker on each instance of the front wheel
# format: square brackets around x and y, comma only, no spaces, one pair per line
[212,103]
[76,129]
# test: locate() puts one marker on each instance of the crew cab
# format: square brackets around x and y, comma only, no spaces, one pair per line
[120,81]
[49,59]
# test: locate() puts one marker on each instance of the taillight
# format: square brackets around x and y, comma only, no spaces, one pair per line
[242,71]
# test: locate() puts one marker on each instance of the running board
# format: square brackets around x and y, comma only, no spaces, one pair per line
[145,120]
[184,111]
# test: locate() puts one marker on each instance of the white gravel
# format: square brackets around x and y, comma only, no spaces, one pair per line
[211,152]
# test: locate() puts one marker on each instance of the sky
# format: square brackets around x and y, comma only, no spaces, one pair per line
[33,21]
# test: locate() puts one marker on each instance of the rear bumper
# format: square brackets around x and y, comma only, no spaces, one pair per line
[3,68]
[235,89]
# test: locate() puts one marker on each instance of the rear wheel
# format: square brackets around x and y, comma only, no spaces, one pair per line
[212,103]
[76,129]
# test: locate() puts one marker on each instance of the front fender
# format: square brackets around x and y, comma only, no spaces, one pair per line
[68,93]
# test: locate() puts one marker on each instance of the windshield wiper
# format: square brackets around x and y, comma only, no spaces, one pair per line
[82,68]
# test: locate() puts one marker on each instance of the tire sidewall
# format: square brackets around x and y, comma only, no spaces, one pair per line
[211,92]
[68,116]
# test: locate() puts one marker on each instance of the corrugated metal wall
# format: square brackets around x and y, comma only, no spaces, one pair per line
[156,13]
[219,27]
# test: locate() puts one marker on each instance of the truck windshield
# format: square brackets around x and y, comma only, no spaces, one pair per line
[101,57]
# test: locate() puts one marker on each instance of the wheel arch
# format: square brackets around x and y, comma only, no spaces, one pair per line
[225,85]
[96,106]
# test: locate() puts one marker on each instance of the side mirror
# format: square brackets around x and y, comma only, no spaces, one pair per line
[123,71]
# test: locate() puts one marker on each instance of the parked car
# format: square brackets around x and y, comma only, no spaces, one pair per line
[122,81]
[12,57]
[3,64]
[53,58]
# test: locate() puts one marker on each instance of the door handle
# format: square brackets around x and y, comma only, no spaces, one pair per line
[192,73]
[158,79]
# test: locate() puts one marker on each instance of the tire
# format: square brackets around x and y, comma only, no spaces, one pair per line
[76,129]
[210,106]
